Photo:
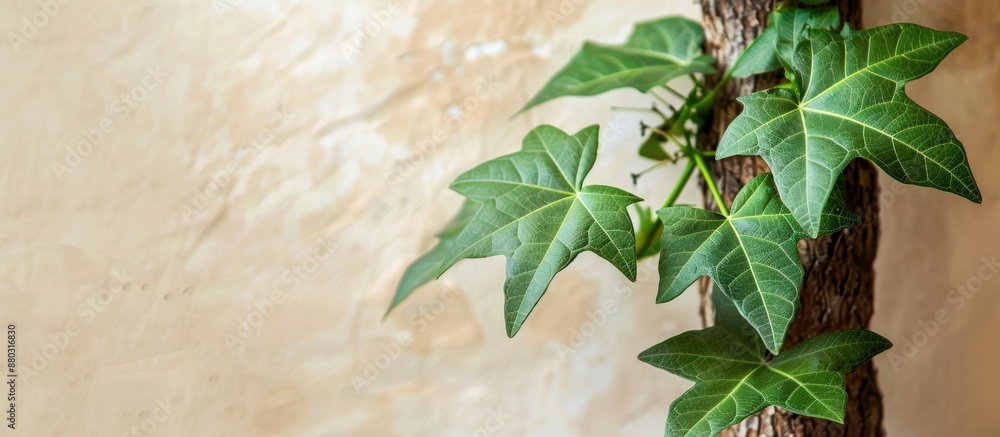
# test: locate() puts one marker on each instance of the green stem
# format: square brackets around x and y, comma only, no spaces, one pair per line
[660,98]
[681,183]
[727,76]
[685,148]
[631,109]
[674,92]
[697,83]
[710,181]
[636,176]
[671,199]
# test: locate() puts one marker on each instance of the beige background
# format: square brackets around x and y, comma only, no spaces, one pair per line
[167,354]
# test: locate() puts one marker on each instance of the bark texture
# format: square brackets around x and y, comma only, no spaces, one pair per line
[838,290]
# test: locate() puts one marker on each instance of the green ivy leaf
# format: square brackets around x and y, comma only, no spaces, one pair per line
[751,255]
[759,57]
[852,104]
[657,52]
[537,212]
[652,147]
[791,25]
[775,46]
[732,380]
[429,265]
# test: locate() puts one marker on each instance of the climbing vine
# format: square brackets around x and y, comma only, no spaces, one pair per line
[844,98]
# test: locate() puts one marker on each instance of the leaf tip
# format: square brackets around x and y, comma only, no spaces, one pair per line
[975,196]
[774,346]
[888,345]
[513,322]
[512,329]
[402,292]
[663,213]
[644,356]
[633,271]
[884,344]
[813,229]
[960,38]
[388,309]
[668,293]
[538,99]
[535,101]
[855,220]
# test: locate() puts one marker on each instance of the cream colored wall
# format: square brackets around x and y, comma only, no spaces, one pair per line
[934,242]
[197,342]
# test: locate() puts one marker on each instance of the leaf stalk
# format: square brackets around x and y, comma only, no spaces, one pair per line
[671,199]
[710,181]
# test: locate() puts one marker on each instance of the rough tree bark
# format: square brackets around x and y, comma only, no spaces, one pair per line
[838,289]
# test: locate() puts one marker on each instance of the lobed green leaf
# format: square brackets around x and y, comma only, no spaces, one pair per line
[851,103]
[657,52]
[733,381]
[751,254]
[775,47]
[537,212]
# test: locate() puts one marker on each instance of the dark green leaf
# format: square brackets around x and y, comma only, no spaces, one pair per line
[537,213]
[752,254]
[839,352]
[791,24]
[732,380]
[775,45]
[852,104]
[657,52]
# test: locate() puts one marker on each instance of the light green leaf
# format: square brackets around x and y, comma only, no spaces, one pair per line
[539,215]
[657,52]
[732,380]
[429,265]
[751,255]
[775,46]
[852,104]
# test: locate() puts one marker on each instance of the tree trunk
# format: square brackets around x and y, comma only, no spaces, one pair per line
[837,292]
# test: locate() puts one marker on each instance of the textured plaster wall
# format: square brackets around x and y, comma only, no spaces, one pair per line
[169,164]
